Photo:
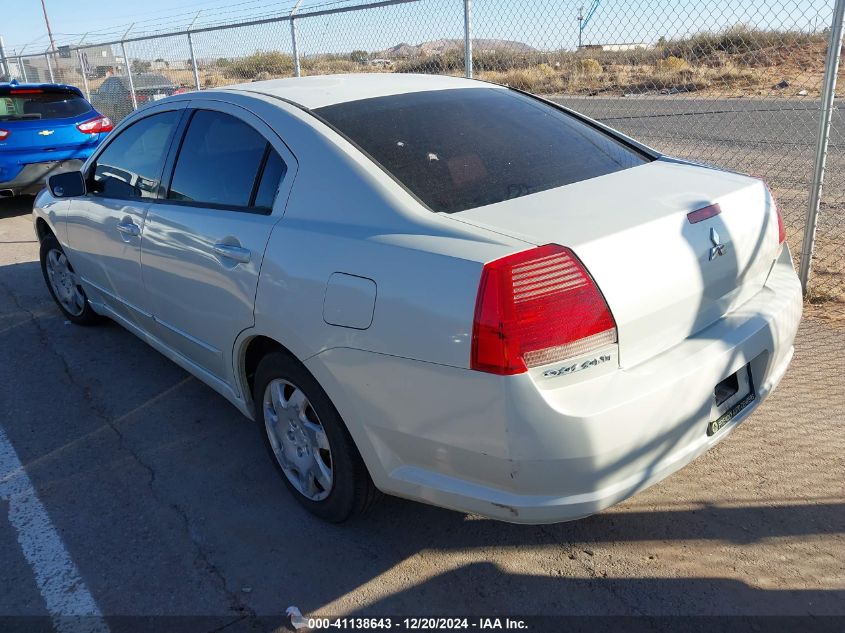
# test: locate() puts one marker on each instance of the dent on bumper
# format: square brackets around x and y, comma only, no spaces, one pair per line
[501,447]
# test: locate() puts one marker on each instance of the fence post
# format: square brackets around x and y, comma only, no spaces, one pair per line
[468,38]
[22,69]
[831,66]
[194,62]
[50,68]
[129,74]
[84,73]
[4,64]
[297,71]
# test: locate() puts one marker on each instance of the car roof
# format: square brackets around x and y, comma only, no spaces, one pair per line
[144,80]
[323,90]
[47,87]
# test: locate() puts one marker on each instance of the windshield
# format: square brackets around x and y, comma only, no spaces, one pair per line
[26,106]
[464,148]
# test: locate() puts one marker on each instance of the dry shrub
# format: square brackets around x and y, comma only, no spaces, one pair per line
[546,70]
[736,40]
[672,65]
[736,77]
[589,67]
[331,65]
[537,79]
[263,64]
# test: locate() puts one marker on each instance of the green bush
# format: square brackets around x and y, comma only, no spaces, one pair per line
[359,57]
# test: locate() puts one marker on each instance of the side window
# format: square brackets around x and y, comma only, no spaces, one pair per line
[131,164]
[274,172]
[218,162]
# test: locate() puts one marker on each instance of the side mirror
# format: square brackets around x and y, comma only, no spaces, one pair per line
[70,184]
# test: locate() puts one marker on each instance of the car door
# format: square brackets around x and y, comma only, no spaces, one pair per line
[105,227]
[204,242]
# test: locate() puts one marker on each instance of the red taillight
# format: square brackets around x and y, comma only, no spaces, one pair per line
[534,308]
[142,98]
[96,126]
[26,91]
[704,213]
[4,134]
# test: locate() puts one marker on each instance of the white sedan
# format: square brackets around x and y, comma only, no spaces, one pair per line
[437,288]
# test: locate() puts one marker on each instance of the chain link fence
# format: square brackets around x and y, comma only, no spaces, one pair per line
[736,84]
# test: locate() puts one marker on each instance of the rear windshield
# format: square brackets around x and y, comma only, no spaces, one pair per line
[464,148]
[41,105]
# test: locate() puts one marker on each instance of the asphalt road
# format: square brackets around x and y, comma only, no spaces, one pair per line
[141,492]
[773,139]
[732,122]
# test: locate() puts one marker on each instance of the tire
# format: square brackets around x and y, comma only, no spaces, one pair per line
[292,425]
[63,284]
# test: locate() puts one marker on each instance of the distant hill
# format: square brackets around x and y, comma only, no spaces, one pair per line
[438,47]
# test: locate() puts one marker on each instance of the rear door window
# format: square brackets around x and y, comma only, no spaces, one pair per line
[218,162]
[469,147]
[26,105]
[131,165]
[271,178]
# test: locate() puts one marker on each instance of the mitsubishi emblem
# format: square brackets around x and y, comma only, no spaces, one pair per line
[718,249]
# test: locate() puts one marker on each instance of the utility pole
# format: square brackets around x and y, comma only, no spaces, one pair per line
[49,30]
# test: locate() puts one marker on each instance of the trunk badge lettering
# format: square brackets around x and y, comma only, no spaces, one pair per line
[718,249]
[45,132]
[580,366]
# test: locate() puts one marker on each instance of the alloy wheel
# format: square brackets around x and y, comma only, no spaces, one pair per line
[65,283]
[298,439]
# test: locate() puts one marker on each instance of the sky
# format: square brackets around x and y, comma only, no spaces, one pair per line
[544,24]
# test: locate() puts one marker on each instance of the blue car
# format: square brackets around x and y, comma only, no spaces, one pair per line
[44,129]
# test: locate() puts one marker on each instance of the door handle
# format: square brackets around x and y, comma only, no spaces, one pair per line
[129,228]
[230,251]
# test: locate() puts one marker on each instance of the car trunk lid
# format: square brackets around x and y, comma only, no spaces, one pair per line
[44,136]
[664,277]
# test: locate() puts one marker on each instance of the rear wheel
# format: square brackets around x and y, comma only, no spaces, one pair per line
[64,284]
[308,441]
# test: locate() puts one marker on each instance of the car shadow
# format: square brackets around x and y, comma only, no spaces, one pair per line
[14,206]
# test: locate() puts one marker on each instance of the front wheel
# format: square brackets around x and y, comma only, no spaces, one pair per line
[64,284]
[308,441]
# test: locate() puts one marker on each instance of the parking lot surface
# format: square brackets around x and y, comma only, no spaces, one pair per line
[157,498]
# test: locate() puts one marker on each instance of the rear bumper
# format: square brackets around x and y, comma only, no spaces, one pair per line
[506,448]
[32,177]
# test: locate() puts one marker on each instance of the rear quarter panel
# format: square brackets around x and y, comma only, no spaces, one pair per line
[344,214]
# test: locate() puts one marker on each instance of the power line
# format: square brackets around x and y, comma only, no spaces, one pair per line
[169,21]
[163,24]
